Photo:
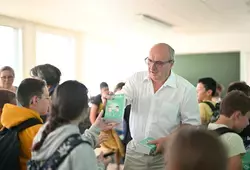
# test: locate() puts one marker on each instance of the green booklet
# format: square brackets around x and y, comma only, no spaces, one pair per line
[246,160]
[145,147]
[114,109]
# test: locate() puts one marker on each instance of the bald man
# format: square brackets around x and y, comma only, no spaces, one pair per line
[160,102]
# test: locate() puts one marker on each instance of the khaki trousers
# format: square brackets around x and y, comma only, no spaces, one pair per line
[140,161]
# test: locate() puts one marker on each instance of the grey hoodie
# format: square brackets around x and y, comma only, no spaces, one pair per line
[80,158]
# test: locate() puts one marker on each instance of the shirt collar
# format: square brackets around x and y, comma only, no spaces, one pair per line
[171,81]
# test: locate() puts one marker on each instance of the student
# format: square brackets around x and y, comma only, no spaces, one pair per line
[6,96]
[217,96]
[33,95]
[69,105]
[245,134]
[49,73]
[242,86]
[206,89]
[191,148]
[119,86]
[114,143]
[234,115]
[98,102]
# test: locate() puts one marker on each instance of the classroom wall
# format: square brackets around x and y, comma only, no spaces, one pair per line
[223,67]
[115,59]
[129,52]
[218,42]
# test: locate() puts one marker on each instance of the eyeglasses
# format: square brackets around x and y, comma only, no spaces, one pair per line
[158,64]
[7,77]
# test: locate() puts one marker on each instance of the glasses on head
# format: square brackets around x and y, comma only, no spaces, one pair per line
[158,64]
[7,77]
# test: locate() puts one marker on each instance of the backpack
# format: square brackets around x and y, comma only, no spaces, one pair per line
[246,160]
[246,157]
[215,109]
[10,144]
[58,156]
[222,130]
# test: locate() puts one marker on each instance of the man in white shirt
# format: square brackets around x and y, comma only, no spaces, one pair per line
[160,102]
[234,115]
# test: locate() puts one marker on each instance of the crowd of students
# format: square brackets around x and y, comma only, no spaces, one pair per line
[192,129]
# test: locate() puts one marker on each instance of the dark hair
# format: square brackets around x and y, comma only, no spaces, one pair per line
[29,88]
[219,89]
[8,68]
[119,86]
[6,96]
[209,84]
[68,103]
[47,72]
[239,85]
[235,101]
[188,149]
[104,85]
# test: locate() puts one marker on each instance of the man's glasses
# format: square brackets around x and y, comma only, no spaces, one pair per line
[158,64]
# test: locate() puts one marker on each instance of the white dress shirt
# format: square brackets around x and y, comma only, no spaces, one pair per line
[158,114]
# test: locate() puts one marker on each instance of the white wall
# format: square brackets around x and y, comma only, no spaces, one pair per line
[112,60]
[126,55]
[29,55]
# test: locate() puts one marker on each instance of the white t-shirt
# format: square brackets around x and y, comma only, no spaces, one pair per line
[233,142]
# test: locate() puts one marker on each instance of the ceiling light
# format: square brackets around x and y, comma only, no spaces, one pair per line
[154,21]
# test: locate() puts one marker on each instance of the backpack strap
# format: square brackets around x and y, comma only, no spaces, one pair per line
[213,108]
[26,124]
[63,151]
[222,130]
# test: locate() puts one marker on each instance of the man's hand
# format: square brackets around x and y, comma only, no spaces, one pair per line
[159,144]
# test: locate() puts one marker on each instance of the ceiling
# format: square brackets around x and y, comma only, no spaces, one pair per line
[113,16]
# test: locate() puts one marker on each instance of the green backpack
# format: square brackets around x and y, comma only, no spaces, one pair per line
[246,157]
[246,160]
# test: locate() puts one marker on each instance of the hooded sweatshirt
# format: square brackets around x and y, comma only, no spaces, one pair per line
[81,157]
[13,115]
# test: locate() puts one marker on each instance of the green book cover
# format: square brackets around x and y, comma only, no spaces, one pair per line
[145,147]
[114,109]
[145,142]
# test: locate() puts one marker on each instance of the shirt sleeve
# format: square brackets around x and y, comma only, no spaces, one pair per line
[235,145]
[129,89]
[203,114]
[91,135]
[189,108]
[97,100]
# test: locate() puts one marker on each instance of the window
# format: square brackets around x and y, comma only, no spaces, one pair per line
[11,51]
[57,50]
[99,64]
